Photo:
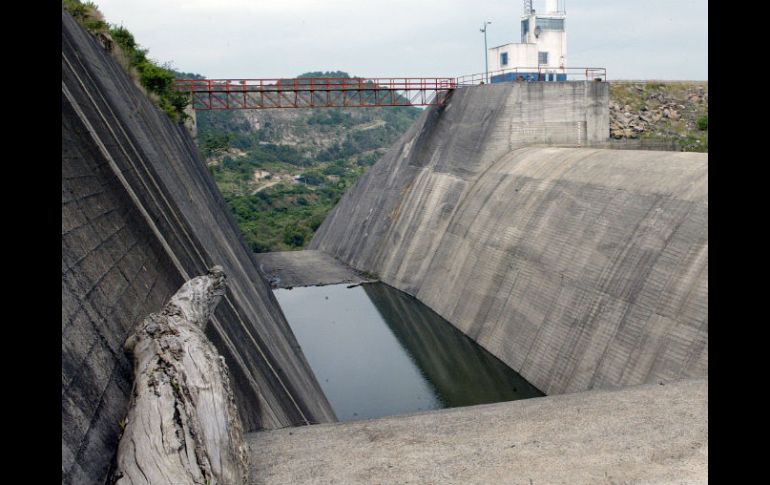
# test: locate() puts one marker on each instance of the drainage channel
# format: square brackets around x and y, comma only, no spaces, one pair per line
[377,351]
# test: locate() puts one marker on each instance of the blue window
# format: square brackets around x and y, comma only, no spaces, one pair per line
[542,58]
[550,24]
[504,59]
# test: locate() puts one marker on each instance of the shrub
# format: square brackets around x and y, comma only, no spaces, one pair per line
[260,246]
[313,177]
[295,236]
[157,80]
[211,143]
[86,14]
[703,123]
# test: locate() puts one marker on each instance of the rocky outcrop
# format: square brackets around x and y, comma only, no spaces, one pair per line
[656,109]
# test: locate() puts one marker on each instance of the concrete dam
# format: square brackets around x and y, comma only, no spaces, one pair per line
[583,269]
[580,268]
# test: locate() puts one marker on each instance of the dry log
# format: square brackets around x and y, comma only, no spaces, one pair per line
[182,425]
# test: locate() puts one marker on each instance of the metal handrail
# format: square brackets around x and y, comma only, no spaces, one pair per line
[311,92]
[313,84]
[586,72]
[316,92]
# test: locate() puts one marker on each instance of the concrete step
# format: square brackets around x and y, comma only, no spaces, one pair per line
[288,269]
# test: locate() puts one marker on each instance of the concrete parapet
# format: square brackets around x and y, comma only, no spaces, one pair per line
[652,434]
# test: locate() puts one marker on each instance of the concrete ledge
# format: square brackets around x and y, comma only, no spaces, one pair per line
[651,434]
[288,269]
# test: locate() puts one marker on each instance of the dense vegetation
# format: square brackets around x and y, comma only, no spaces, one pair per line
[156,79]
[281,171]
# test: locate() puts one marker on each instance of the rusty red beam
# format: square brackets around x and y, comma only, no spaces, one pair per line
[315,92]
[350,92]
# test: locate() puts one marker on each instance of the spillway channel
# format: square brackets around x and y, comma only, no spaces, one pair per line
[379,352]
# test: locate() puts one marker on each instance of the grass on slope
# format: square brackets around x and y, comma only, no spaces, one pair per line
[156,80]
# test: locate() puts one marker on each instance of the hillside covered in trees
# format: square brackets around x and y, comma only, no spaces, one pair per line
[282,170]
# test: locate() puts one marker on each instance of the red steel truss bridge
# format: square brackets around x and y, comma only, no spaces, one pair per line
[210,94]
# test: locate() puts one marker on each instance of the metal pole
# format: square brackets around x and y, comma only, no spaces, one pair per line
[486,53]
[486,63]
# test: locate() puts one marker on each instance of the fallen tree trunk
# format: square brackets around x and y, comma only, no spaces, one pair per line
[182,425]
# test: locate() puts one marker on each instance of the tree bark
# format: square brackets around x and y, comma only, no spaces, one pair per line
[182,425]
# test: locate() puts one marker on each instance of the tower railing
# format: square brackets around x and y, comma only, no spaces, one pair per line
[539,73]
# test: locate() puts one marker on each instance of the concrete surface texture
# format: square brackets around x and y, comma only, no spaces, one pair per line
[306,268]
[140,215]
[651,434]
[580,268]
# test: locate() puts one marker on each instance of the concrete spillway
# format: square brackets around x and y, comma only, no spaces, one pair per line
[140,214]
[580,268]
[377,351]
[651,434]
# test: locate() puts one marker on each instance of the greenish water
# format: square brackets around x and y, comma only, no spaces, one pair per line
[379,352]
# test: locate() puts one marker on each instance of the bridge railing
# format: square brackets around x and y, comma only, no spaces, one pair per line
[312,92]
[540,73]
[315,92]
[312,84]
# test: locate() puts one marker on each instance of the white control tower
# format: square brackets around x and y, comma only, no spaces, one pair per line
[547,30]
[543,43]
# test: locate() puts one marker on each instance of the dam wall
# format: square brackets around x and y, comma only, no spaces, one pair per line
[580,268]
[140,215]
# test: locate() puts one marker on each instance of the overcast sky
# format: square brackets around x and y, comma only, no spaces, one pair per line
[633,39]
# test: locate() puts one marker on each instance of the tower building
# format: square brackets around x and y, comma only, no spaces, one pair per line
[542,53]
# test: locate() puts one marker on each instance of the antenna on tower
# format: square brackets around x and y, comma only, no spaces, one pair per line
[528,7]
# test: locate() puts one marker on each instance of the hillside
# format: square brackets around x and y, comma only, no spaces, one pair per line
[282,170]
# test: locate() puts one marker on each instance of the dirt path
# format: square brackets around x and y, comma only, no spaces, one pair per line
[269,184]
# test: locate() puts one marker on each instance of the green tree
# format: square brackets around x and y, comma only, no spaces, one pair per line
[295,236]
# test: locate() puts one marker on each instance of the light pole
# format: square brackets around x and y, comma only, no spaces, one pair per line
[486,63]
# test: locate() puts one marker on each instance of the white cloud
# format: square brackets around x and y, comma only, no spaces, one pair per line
[281,38]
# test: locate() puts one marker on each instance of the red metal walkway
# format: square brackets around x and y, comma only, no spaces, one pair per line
[315,92]
[351,92]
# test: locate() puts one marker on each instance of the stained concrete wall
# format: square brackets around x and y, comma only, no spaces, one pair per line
[581,268]
[140,214]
